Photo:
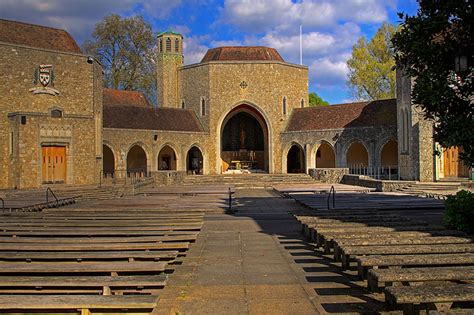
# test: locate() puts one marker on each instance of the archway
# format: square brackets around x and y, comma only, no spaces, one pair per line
[325,156]
[295,161]
[244,141]
[108,160]
[194,161]
[136,162]
[389,154]
[166,159]
[357,155]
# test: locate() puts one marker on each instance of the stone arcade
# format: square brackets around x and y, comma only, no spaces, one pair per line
[241,109]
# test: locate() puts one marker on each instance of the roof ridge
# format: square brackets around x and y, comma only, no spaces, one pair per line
[38,25]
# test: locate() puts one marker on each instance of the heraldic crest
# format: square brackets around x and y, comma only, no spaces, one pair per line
[44,77]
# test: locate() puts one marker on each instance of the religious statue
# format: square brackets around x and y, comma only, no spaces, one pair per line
[243,136]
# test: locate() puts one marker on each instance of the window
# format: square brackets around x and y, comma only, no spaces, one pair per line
[176,45]
[284,106]
[160,44]
[168,44]
[23,120]
[182,104]
[203,107]
[56,113]
[302,103]
[10,147]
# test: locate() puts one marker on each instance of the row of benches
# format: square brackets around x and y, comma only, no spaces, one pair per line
[98,257]
[391,250]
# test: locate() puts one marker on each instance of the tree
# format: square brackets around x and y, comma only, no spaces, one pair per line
[316,100]
[125,48]
[427,48]
[371,75]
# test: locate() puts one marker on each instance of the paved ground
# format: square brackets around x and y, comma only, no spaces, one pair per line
[257,262]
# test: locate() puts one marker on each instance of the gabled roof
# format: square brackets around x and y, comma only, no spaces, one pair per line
[113,97]
[37,36]
[242,53]
[360,114]
[131,110]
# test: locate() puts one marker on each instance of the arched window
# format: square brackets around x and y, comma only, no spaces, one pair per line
[284,106]
[302,102]
[168,44]
[160,44]
[183,105]
[56,113]
[203,107]
[176,45]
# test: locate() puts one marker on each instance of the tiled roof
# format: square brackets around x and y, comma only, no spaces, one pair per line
[113,97]
[37,36]
[360,114]
[131,110]
[242,53]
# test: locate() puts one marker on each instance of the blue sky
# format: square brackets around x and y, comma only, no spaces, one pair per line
[330,27]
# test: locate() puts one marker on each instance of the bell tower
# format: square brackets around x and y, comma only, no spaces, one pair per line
[168,61]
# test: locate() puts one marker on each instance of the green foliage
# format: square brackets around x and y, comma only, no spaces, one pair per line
[371,66]
[426,47]
[125,48]
[460,211]
[316,100]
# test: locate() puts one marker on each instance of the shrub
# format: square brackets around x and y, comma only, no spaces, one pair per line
[460,211]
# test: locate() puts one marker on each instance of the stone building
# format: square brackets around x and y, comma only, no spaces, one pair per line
[241,109]
[51,109]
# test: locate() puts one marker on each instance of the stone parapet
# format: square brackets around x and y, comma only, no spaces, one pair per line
[328,175]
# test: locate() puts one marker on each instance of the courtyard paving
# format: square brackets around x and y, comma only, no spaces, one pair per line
[257,262]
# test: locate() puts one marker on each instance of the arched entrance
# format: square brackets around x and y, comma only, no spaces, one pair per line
[194,161]
[108,160]
[357,155]
[389,154]
[136,162]
[166,159]
[244,141]
[389,160]
[295,161]
[325,156]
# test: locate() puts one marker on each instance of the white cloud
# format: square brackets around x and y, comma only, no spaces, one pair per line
[78,17]
[325,72]
[194,49]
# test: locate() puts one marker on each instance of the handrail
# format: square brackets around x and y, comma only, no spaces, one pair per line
[333,190]
[3,203]
[52,193]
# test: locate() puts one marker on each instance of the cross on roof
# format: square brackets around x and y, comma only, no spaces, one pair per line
[243,85]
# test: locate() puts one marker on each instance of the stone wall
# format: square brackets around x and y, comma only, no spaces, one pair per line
[373,139]
[328,175]
[261,85]
[378,185]
[416,155]
[120,141]
[76,91]
[163,178]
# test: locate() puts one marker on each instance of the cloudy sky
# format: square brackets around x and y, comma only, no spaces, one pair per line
[330,27]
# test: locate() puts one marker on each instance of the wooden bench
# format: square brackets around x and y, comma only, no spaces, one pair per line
[88,240]
[88,255]
[394,240]
[348,251]
[93,246]
[82,267]
[442,296]
[377,278]
[84,303]
[364,263]
[107,285]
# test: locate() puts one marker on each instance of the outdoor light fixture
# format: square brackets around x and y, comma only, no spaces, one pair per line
[90,59]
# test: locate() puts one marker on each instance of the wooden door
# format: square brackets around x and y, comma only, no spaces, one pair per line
[54,164]
[453,166]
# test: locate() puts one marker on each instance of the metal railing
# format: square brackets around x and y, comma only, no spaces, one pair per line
[389,172]
[48,191]
[333,191]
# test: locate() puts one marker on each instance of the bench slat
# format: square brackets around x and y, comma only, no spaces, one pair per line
[83,267]
[123,254]
[82,281]
[430,293]
[63,302]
